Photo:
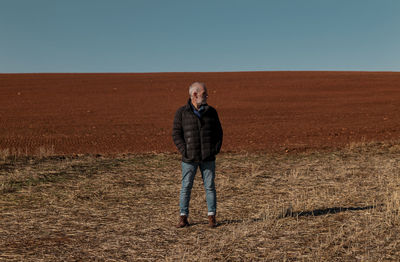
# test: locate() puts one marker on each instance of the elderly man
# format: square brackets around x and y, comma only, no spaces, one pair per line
[197,133]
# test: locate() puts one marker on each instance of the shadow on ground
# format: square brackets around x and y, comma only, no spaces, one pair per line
[290,213]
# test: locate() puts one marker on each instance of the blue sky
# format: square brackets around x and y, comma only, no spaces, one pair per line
[190,36]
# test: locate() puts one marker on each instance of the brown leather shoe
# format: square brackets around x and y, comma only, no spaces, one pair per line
[211,221]
[183,222]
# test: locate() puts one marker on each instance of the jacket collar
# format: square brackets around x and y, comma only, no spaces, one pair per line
[189,106]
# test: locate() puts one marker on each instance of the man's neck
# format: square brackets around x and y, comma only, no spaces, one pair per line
[195,105]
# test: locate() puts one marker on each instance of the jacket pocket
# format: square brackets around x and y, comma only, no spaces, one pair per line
[183,150]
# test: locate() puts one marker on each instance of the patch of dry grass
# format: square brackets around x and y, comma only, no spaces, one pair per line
[342,205]
[15,153]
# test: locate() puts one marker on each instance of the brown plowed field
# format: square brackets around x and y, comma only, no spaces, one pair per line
[259,111]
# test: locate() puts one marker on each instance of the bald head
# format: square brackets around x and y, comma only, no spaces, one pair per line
[198,94]
[196,87]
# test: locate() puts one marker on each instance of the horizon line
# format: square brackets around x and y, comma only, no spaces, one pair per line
[180,72]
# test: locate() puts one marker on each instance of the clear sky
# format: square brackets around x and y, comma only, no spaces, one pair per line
[190,36]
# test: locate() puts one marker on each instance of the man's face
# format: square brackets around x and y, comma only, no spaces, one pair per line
[201,96]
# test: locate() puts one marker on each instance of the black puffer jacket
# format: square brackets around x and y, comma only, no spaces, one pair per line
[198,139]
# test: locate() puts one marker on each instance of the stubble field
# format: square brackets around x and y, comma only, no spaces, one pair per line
[332,206]
[309,169]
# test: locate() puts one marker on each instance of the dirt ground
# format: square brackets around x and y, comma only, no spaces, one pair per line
[259,111]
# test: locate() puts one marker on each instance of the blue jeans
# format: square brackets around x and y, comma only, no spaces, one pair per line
[207,170]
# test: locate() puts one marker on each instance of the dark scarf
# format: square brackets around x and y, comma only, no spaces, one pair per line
[198,113]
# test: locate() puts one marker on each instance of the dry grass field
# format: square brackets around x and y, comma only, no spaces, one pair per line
[341,205]
[88,170]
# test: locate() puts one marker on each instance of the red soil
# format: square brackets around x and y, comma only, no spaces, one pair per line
[259,111]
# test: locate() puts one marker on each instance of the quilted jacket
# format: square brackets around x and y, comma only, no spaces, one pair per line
[198,139]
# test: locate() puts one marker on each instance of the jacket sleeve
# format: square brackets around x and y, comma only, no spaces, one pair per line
[219,133]
[177,132]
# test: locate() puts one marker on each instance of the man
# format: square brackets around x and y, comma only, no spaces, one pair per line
[197,133]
